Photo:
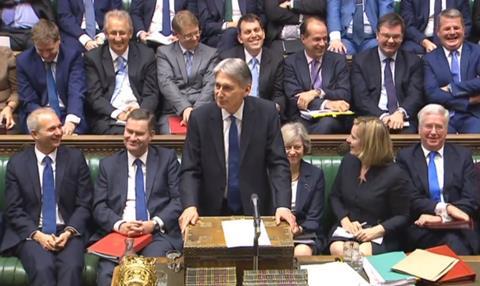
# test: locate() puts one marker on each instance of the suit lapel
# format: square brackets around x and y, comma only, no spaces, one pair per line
[303,70]
[326,74]
[32,170]
[60,165]
[59,75]
[422,170]
[399,71]
[197,60]
[303,188]
[216,133]
[152,167]
[243,6]
[448,164]
[464,61]
[220,4]
[181,61]
[263,73]
[248,125]
[132,63]
[122,177]
[107,64]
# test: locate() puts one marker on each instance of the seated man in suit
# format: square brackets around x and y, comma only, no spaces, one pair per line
[51,74]
[121,77]
[47,205]
[19,16]
[137,192]
[234,149]
[265,65]
[352,24]
[154,16]
[81,22]
[316,79]
[284,19]
[219,20]
[421,19]
[452,74]
[388,81]
[185,71]
[444,185]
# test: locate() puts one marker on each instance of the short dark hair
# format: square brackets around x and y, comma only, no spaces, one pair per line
[307,21]
[250,18]
[143,114]
[391,20]
[450,13]
[183,18]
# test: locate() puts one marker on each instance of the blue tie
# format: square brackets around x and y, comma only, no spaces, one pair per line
[188,63]
[433,185]
[140,204]
[315,74]
[254,70]
[52,91]
[233,195]
[119,77]
[90,28]
[455,67]
[392,102]
[357,29]
[166,29]
[49,223]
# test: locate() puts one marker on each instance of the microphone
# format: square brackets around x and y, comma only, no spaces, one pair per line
[256,215]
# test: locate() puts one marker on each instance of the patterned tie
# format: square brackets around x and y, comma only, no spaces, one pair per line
[254,69]
[455,67]
[52,91]
[188,63]
[392,103]
[8,16]
[89,18]
[49,221]
[140,203]
[166,22]
[228,11]
[358,30]
[433,185]
[436,11]
[315,74]
[233,195]
[120,75]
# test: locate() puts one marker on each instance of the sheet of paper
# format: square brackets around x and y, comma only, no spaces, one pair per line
[159,38]
[333,273]
[341,232]
[4,41]
[240,233]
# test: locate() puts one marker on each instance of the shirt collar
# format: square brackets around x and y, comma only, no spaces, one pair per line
[426,151]
[185,50]
[309,59]
[248,56]
[131,158]
[384,57]
[40,156]
[115,55]
[52,62]
[238,114]
[447,52]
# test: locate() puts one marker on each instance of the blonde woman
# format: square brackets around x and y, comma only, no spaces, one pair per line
[369,196]
[307,191]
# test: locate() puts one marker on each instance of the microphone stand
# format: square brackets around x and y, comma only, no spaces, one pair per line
[256,249]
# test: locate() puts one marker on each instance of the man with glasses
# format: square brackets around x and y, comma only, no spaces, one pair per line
[185,71]
[388,81]
[121,77]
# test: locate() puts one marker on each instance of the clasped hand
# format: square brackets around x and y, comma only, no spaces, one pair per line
[52,242]
[136,228]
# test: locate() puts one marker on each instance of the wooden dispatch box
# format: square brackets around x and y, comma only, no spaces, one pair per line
[205,246]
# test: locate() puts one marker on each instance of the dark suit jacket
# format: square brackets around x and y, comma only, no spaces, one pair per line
[271,74]
[163,198]
[366,76]
[279,17]
[475,34]
[42,8]
[310,199]
[212,12]
[142,74]
[335,80]
[23,198]
[437,75]
[264,167]
[70,14]
[382,199]
[69,79]
[459,188]
[142,12]
[416,12]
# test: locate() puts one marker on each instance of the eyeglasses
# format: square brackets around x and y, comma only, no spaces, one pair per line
[192,35]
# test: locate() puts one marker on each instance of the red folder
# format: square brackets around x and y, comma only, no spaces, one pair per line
[112,246]
[454,224]
[175,126]
[460,272]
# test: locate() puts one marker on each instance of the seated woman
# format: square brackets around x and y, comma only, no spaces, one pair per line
[307,191]
[369,195]
[8,88]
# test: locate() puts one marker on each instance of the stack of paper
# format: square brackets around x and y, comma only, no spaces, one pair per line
[426,265]
[314,114]
[460,272]
[333,273]
[379,270]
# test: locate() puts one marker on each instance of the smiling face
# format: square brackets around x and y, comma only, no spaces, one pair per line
[451,32]
[48,135]
[118,34]
[137,136]
[315,39]
[433,131]
[251,36]
[354,142]
[389,39]
[295,151]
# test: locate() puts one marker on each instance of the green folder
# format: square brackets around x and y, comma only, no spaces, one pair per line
[383,263]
